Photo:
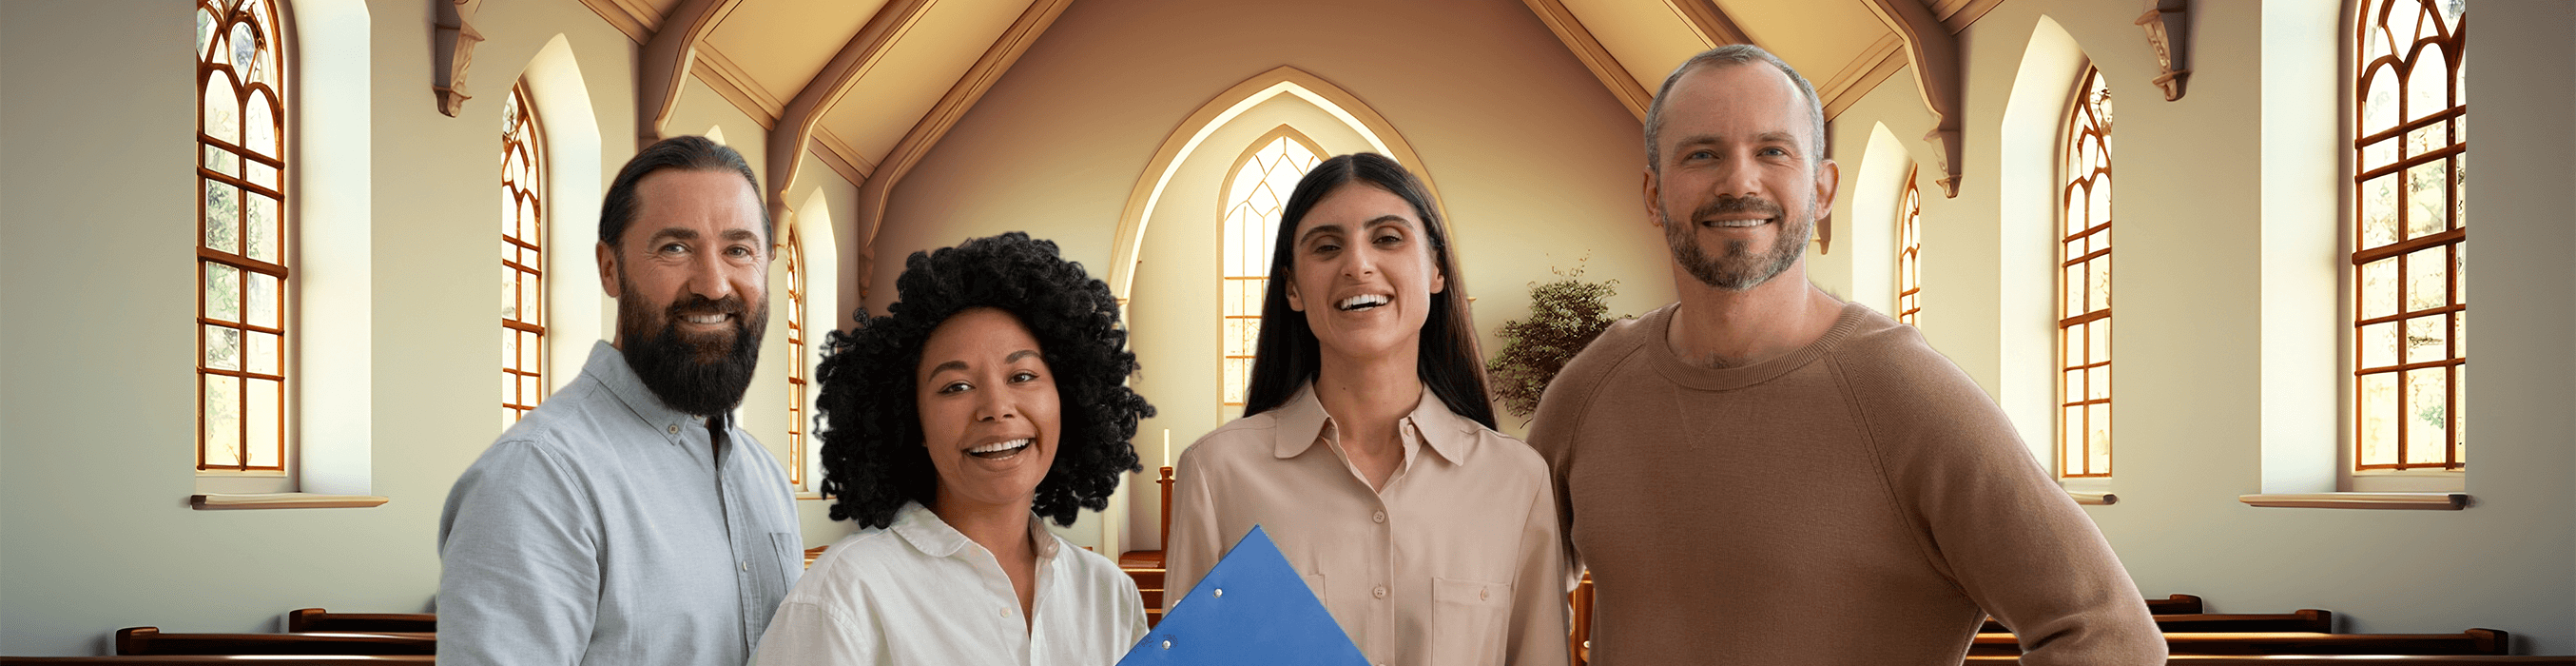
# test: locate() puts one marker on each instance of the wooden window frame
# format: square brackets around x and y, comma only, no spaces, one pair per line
[1909,253]
[791,251]
[1256,245]
[2088,123]
[2406,154]
[240,260]
[523,367]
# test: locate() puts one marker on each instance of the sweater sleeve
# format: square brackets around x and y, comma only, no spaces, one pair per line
[1994,521]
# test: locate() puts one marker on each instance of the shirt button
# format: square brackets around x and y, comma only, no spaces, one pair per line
[675,429]
[1482,595]
[1380,592]
[1006,611]
[746,565]
[1378,517]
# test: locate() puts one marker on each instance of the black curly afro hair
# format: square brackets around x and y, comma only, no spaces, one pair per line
[873,459]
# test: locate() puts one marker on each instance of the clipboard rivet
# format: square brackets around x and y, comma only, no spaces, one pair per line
[1220,592]
[1167,644]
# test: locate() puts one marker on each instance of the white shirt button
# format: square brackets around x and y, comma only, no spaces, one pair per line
[1006,611]
[1379,517]
[746,565]
[675,429]
[1482,595]
[1379,592]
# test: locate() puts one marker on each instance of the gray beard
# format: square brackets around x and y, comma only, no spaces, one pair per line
[1740,269]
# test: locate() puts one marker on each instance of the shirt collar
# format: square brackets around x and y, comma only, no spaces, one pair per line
[609,366]
[1302,420]
[933,537]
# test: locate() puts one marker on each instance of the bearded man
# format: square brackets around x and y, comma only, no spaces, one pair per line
[1763,474]
[626,521]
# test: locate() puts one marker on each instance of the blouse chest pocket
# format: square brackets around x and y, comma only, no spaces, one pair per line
[1470,621]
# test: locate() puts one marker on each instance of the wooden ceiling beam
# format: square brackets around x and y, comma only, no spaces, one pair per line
[796,125]
[1711,23]
[1934,53]
[1595,57]
[666,60]
[909,150]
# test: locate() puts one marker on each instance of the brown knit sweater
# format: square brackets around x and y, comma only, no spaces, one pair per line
[1855,502]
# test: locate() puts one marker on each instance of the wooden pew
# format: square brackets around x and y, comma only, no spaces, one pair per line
[227,660]
[2471,642]
[2179,604]
[2308,620]
[2323,660]
[150,641]
[303,620]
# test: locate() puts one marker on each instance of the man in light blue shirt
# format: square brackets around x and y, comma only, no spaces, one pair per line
[625,520]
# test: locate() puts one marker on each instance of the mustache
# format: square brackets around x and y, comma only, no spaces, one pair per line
[696,304]
[1745,204]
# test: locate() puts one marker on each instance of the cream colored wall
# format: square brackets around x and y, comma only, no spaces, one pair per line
[1536,162]
[2204,229]
[95,394]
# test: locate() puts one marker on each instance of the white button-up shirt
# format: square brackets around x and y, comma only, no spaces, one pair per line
[920,592]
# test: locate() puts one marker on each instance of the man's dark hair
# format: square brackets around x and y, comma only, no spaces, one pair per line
[1288,355]
[691,153]
[1733,54]
[870,423]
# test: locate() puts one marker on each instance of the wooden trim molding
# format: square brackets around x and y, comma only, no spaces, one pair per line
[2094,499]
[1934,53]
[2416,501]
[1711,23]
[856,168]
[228,501]
[636,27]
[1874,65]
[665,59]
[909,150]
[452,52]
[736,86]
[1595,57]
[1957,15]
[1185,139]
[2168,27]
[797,122]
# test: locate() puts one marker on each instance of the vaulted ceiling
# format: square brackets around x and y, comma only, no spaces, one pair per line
[919,64]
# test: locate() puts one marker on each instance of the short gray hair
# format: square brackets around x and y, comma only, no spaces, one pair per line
[1732,54]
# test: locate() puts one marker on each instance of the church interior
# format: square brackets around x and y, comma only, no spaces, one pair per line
[258,395]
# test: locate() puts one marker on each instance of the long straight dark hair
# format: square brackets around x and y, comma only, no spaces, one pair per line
[1288,356]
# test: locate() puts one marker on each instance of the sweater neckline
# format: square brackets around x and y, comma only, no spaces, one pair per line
[1658,325]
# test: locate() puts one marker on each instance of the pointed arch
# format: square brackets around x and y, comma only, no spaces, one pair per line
[1185,139]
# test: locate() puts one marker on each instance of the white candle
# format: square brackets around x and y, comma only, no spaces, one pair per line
[1167,447]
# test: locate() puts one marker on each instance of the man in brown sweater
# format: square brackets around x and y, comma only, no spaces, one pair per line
[1762,474]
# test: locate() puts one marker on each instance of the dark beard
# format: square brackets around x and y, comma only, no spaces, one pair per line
[701,376]
[1740,269]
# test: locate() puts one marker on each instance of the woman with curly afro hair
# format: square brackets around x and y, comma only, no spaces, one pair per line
[990,397]
[1367,448]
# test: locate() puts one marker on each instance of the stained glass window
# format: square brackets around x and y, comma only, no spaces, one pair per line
[2084,287]
[1254,194]
[244,260]
[2410,238]
[523,260]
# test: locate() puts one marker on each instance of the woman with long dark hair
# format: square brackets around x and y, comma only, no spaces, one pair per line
[988,400]
[1367,448]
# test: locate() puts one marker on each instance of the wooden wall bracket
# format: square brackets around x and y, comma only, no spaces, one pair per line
[1934,53]
[452,52]
[2168,26]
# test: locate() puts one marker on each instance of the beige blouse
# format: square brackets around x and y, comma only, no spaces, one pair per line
[1457,561]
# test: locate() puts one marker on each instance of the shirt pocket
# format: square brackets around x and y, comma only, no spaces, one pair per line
[790,548]
[1470,621]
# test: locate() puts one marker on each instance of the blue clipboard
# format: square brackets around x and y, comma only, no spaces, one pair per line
[1251,609]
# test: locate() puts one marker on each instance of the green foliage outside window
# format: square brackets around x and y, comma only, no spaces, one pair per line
[1565,315]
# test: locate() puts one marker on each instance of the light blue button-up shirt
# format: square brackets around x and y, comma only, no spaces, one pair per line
[604,528]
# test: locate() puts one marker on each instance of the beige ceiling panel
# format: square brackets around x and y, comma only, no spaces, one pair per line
[1819,37]
[1647,36]
[783,43]
[661,8]
[889,99]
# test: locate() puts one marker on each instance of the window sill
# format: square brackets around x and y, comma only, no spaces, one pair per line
[228,501]
[2408,501]
[2094,499]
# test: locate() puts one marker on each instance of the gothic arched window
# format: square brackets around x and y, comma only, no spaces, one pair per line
[2084,287]
[2409,242]
[791,251]
[1909,254]
[1255,191]
[244,260]
[523,258]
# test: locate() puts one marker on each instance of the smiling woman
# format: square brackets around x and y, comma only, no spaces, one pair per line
[992,397]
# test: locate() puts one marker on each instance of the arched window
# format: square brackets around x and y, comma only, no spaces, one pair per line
[791,251]
[1255,191]
[2410,173]
[244,260]
[1909,254]
[523,258]
[2084,287]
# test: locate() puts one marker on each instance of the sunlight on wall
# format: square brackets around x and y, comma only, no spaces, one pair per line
[578,314]
[2028,179]
[1880,182]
